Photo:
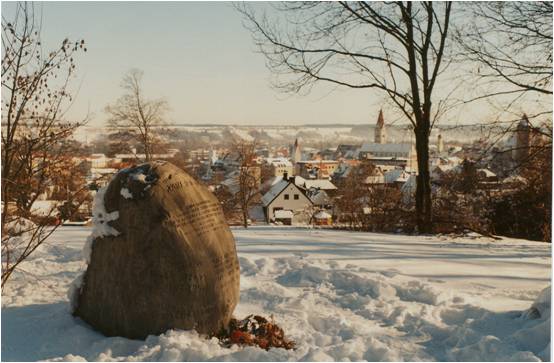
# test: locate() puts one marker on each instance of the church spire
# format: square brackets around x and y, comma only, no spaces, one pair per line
[380,132]
[296,152]
[381,119]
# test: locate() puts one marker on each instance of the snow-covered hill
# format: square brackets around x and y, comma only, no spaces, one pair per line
[339,295]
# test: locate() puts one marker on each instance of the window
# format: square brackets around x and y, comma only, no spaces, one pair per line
[296,196]
[286,197]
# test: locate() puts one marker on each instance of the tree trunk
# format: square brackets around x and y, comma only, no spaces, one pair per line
[245,217]
[146,146]
[423,188]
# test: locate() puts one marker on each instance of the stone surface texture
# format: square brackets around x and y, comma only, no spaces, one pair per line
[173,264]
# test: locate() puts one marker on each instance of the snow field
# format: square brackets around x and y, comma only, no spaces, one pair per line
[342,296]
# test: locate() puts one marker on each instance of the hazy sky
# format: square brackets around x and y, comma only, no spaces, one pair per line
[196,55]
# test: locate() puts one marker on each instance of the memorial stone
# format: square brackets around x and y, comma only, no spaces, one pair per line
[172,263]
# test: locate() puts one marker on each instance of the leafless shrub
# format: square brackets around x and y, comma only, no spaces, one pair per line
[35,140]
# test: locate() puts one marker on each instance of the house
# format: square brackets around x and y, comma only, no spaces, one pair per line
[387,176]
[251,176]
[286,195]
[402,154]
[302,197]
[327,154]
[279,166]
[440,171]
[98,161]
[343,169]
[320,198]
[397,177]
[322,218]
[134,157]
[316,169]
[347,151]
[377,177]
[322,184]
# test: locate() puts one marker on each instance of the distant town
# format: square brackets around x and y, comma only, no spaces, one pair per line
[298,175]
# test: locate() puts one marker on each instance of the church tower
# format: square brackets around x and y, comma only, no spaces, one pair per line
[440,144]
[522,135]
[296,152]
[380,131]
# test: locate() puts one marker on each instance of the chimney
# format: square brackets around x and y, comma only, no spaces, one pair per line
[285,176]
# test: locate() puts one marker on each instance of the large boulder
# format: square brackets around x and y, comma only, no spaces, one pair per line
[162,257]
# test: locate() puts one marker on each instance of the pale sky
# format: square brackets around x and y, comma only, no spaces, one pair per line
[198,56]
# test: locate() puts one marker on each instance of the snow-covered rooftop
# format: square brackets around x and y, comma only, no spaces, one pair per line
[322,215]
[487,173]
[396,176]
[323,184]
[274,191]
[317,162]
[372,147]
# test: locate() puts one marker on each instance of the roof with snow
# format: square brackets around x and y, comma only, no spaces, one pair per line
[486,172]
[514,179]
[409,188]
[318,197]
[315,162]
[323,184]
[375,179]
[279,160]
[443,168]
[396,176]
[322,215]
[372,147]
[348,150]
[454,160]
[143,156]
[281,163]
[275,190]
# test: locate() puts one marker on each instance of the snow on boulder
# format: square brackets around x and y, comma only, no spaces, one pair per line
[161,259]
[100,222]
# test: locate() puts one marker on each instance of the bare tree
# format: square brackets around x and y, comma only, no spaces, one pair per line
[134,112]
[397,48]
[228,203]
[353,193]
[385,211]
[462,203]
[248,177]
[512,42]
[35,97]
[526,210]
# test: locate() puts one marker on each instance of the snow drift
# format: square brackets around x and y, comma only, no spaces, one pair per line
[341,296]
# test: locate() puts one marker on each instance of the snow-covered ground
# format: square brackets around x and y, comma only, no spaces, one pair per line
[340,295]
